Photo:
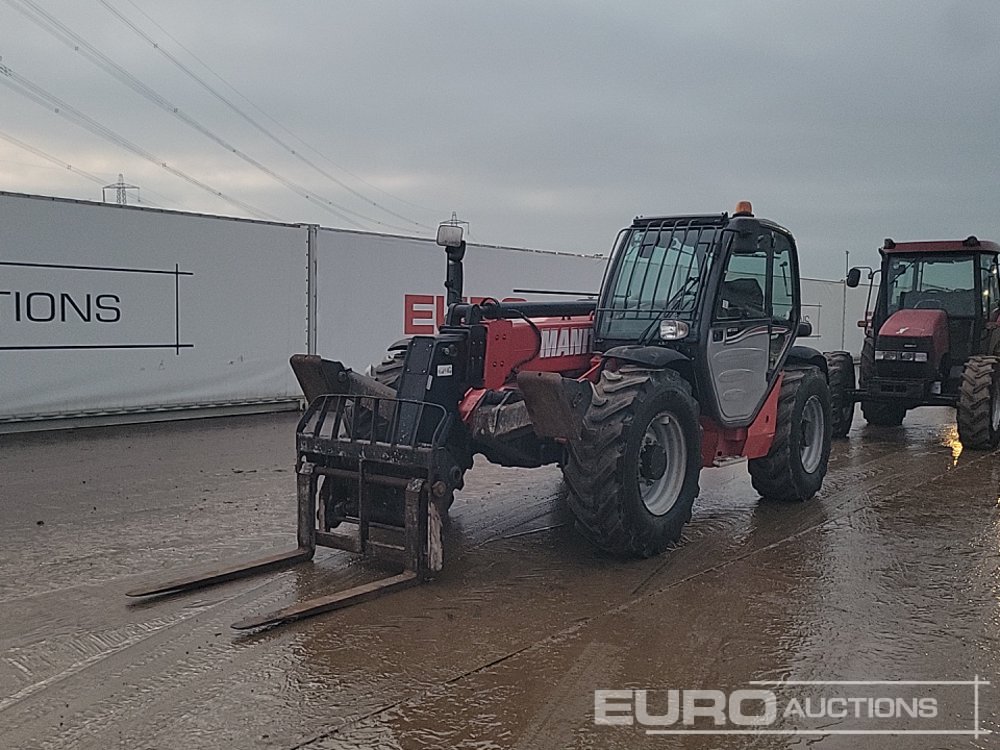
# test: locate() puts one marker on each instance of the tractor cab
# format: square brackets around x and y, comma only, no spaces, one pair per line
[933,338]
[934,310]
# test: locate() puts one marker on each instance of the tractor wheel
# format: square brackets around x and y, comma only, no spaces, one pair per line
[979,403]
[633,476]
[840,376]
[882,413]
[794,468]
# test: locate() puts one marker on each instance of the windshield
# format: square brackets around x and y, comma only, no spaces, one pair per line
[937,283]
[656,270]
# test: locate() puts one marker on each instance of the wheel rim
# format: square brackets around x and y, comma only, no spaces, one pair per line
[811,451]
[662,463]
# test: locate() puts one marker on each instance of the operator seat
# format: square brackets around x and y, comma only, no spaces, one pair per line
[741,299]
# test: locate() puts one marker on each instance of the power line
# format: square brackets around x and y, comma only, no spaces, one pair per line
[58,162]
[236,91]
[76,170]
[37,94]
[249,119]
[52,25]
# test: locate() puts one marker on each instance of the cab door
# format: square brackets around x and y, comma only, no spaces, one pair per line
[739,351]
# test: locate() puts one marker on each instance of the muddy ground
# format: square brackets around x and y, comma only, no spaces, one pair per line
[891,573]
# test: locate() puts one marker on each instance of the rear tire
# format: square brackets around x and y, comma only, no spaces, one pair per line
[794,468]
[840,376]
[339,496]
[978,413]
[390,370]
[883,413]
[633,476]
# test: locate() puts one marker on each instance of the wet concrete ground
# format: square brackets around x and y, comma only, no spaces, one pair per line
[891,573]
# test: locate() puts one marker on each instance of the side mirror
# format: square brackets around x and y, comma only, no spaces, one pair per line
[854,277]
[805,329]
[449,235]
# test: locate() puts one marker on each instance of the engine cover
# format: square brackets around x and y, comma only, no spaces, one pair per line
[914,331]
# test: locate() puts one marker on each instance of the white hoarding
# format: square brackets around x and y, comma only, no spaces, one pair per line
[373,290]
[106,309]
[834,311]
[111,310]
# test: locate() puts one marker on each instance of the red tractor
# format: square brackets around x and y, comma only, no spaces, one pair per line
[686,360]
[934,336]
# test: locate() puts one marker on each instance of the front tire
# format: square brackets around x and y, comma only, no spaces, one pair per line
[633,476]
[794,468]
[978,414]
[840,376]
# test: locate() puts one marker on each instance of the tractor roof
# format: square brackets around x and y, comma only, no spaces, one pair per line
[930,247]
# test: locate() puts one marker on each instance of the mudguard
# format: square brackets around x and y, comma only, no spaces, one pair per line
[555,404]
[657,357]
[806,355]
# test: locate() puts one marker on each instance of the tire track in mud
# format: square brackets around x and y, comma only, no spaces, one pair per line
[837,499]
[154,658]
[320,741]
[552,726]
[40,662]
[160,662]
[157,669]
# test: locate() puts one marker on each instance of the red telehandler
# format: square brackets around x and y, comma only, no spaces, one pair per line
[686,359]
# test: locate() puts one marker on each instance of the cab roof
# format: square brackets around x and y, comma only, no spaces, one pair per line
[968,245]
[699,220]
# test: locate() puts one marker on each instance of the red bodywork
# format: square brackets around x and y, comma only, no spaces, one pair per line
[920,324]
[565,345]
[720,443]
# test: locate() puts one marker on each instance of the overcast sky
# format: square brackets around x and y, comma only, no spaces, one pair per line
[544,124]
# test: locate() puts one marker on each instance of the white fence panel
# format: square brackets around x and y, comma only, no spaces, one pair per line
[373,290]
[105,309]
[110,310]
[834,312]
